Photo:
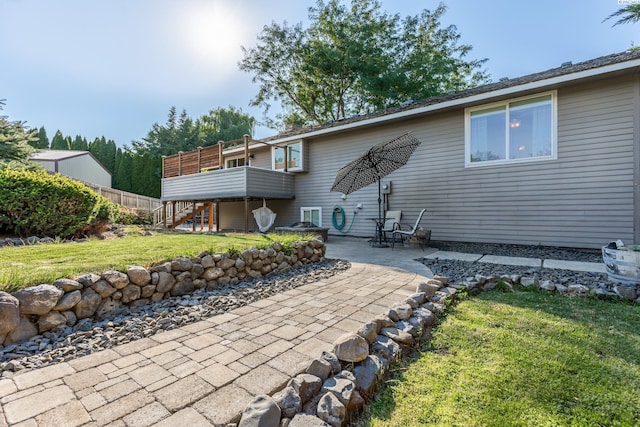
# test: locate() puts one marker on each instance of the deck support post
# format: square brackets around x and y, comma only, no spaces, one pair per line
[173,214]
[220,155]
[210,216]
[193,217]
[246,214]
[286,160]
[164,215]
[246,149]
[218,216]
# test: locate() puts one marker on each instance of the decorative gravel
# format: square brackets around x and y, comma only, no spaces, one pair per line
[544,252]
[460,270]
[89,336]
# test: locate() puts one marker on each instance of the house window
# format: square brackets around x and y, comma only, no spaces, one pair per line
[312,215]
[519,130]
[234,163]
[294,157]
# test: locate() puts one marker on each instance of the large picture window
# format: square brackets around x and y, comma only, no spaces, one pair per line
[514,131]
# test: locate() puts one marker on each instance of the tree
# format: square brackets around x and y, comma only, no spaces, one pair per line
[355,60]
[43,141]
[629,14]
[59,142]
[79,143]
[182,133]
[15,140]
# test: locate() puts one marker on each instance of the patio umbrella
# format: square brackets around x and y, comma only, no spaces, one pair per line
[374,164]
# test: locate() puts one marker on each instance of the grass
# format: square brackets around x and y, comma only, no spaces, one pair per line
[24,266]
[524,358]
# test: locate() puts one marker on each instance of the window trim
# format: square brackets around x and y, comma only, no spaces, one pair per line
[285,146]
[231,159]
[311,208]
[503,162]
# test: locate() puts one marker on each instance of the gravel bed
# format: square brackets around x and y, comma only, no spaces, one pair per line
[460,270]
[89,336]
[544,252]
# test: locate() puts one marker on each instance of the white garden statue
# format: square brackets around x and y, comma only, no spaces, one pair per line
[265,217]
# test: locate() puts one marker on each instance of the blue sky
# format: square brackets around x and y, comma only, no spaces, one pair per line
[114,67]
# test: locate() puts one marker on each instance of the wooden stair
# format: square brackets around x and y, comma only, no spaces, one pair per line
[184,211]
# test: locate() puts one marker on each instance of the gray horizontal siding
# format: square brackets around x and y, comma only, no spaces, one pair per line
[585,198]
[228,183]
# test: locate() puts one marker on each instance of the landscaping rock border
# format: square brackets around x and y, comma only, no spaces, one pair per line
[47,307]
[335,387]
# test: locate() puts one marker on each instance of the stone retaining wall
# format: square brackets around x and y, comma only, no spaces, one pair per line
[46,307]
[335,387]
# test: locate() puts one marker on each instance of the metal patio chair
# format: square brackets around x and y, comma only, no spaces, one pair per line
[406,234]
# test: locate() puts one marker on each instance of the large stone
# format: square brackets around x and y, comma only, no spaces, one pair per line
[288,401]
[212,273]
[306,386]
[181,264]
[207,262]
[427,316]
[409,327]
[342,388]
[401,311]
[9,313]
[117,279]
[165,281]
[86,280]
[88,304]
[103,288]
[416,299]
[130,293]
[319,368]
[25,330]
[368,331]
[39,299]
[70,316]
[397,335]
[68,301]
[331,410]
[429,287]
[305,420]
[386,348]
[148,290]
[367,373]
[333,361]
[226,263]
[184,287]
[548,285]
[68,285]
[263,411]
[351,348]
[627,292]
[109,307]
[138,275]
[382,321]
[51,321]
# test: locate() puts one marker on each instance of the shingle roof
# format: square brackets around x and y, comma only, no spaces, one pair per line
[564,70]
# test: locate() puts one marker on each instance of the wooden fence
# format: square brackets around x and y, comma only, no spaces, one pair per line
[126,199]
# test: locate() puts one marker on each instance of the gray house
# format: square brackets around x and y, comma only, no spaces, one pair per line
[551,158]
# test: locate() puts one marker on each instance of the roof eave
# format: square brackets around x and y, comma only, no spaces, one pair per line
[461,102]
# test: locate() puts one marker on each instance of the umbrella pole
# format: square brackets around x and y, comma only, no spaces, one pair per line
[379,225]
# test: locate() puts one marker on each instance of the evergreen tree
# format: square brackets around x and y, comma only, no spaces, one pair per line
[15,139]
[124,172]
[79,143]
[43,141]
[59,142]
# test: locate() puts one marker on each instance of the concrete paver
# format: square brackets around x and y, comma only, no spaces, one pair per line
[205,373]
[593,267]
[510,260]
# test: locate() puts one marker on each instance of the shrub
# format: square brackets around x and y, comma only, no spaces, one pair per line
[128,216]
[37,203]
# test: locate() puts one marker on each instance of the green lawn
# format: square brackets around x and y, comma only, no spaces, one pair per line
[31,265]
[525,358]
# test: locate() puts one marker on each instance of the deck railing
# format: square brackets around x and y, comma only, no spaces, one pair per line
[201,160]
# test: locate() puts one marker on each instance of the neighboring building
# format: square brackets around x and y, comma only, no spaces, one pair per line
[74,164]
[551,158]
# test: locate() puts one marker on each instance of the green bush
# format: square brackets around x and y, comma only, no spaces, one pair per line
[128,216]
[37,203]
